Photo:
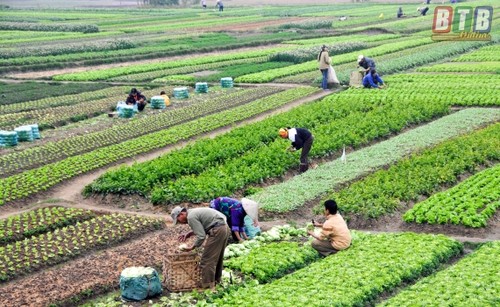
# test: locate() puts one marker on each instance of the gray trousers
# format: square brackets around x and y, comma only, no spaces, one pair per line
[325,248]
[213,255]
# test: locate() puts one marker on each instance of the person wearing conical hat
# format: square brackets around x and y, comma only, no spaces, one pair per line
[235,212]
[301,139]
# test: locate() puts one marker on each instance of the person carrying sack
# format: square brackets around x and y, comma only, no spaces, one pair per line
[324,64]
[208,225]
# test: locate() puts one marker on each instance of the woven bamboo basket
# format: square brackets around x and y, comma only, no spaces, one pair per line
[182,272]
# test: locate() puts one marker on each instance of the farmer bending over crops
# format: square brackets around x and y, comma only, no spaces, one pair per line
[423,10]
[209,224]
[301,138]
[335,235]
[235,212]
[368,64]
[373,80]
[136,97]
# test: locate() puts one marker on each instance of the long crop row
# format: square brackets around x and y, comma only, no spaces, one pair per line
[54,247]
[273,260]
[422,174]
[392,62]
[67,47]
[360,121]
[270,75]
[61,115]
[150,75]
[488,54]
[51,102]
[104,74]
[462,90]
[29,26]
[470,203]
[474,280]
[53,151]
[38,221]
[32,181]
[354,277]
[293,193]
[493,67]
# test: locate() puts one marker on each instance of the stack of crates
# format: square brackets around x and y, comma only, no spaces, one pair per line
[201,87]
[226,82]
[181,92]
[8,138]
[24,133]
[158,102]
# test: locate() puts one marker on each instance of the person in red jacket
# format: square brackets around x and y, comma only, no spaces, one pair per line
[301,139]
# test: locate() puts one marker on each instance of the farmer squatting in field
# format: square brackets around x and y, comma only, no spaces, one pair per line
[373,80]
[335,235]
[136,98]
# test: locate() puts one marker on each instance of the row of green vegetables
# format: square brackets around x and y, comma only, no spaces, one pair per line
[154,47]
[460,90]
[55,27]
[391,62]
[252,154]
[65,100]
[64,243]
[470,203]
[32,181]
[71,146]
[297,191]
[61,115]
[66,48]
[104,74]
[33,222]
[472,281]
[273,260]
[425,174]
[488,54]
[493,67]
[270,75]
[227,71]
[187,69]
[357,276]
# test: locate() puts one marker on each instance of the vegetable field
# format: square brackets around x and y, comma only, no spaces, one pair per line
[86,190]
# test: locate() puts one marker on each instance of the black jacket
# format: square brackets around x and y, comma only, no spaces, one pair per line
[302,136]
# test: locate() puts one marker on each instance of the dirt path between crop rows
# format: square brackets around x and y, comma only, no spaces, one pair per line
[69,192]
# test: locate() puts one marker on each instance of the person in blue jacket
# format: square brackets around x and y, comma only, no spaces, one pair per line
[301,139]
[372,80]
[367,63]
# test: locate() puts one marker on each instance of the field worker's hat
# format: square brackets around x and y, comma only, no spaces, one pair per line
[251,208]
[175,213]
[360,58]
[418,9]
[283,133]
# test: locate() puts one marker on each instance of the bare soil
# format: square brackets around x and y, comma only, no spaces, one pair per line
[94,273]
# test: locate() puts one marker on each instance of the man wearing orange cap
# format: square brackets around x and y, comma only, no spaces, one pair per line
[301,139]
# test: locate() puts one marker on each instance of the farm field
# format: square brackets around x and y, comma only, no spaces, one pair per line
[86,191]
